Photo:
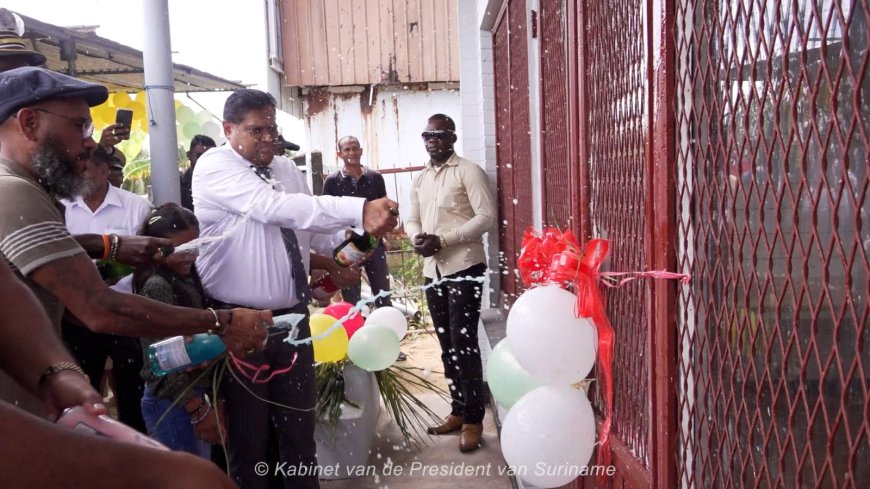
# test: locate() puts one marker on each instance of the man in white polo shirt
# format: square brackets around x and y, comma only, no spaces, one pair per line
[105,209]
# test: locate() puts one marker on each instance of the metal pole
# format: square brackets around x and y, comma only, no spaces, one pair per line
[159,86]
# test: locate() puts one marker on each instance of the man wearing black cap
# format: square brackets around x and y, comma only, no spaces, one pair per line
[116,169]
[45,143]
[198,145]
[14,53]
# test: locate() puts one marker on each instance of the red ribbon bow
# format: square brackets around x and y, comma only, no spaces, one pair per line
[556,257]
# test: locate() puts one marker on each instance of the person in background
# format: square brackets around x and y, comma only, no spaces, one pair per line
[355,180]
[45,144]
[104,209]
[451,208]
[283,146]
[14,53]
[116,171]
[263,262]
[189,412]
[198,146]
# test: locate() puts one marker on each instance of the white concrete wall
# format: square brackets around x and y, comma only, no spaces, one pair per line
[477,95]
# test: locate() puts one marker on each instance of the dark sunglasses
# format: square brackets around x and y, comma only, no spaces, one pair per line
[439,135]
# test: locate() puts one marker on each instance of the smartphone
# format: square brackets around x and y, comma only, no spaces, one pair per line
[125,117]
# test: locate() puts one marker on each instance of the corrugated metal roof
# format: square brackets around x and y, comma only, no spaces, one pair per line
[104,61]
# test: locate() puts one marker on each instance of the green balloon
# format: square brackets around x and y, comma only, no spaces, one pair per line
[373,348]
[507,380]
[184,115]
[203,116]
[190,130]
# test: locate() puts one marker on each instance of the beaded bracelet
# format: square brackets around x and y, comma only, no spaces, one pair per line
[116,245]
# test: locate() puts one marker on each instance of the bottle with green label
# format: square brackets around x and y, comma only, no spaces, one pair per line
[356,249]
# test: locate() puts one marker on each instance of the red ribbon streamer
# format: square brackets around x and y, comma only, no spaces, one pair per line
[243,366]
[556,257]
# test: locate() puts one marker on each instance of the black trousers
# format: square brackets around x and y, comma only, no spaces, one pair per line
[91,351]
[455,310]
[249,419]
[378,273]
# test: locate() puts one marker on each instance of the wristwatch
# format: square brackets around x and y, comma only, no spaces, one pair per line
[58,367]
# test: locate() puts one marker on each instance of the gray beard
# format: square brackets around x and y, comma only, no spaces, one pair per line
[56,174]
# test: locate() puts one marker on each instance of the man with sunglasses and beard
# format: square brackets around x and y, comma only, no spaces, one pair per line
[451,208]
[45,143]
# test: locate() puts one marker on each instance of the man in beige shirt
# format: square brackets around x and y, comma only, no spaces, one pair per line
[451,208]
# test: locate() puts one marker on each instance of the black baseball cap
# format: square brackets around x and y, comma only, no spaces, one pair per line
[284,145]
[29,85]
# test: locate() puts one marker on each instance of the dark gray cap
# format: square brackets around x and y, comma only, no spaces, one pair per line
[30,85]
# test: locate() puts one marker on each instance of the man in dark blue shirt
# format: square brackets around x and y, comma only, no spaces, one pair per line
[357,181]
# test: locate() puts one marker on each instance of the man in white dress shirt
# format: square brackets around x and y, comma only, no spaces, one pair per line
[262,207]
[105,209]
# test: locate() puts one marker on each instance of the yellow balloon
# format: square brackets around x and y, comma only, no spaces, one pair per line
[103,115]
[138,110]
[121,99]
[333,347]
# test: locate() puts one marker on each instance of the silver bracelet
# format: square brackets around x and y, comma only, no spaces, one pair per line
[205,402]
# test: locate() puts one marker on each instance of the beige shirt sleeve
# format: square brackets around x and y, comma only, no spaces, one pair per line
[480,198]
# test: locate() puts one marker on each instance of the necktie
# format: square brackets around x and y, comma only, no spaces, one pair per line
[291,245]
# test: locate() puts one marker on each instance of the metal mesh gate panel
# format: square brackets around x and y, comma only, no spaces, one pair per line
[559,179]
[616,91]
[514,143]
[773,112]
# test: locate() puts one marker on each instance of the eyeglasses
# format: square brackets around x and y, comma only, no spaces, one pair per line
[86,126]
[258,132]
[439,135]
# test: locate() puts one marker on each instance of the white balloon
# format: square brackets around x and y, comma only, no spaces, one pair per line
[390,317]
[548,436]
[548,341]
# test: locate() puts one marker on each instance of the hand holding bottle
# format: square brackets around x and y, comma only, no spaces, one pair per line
[380,216]
[246,333]
[68,389]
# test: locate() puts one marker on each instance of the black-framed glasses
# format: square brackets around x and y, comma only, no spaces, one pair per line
[86,126]
[439,135]
[258,132]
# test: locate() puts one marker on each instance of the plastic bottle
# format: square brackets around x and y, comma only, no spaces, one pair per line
[323,288]
[78,420]
[355,249]
[174,354]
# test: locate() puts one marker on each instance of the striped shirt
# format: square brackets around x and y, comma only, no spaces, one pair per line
[32,231]
[32,234]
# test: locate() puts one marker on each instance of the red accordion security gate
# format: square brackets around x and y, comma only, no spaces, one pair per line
[772,114]
[727,139]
